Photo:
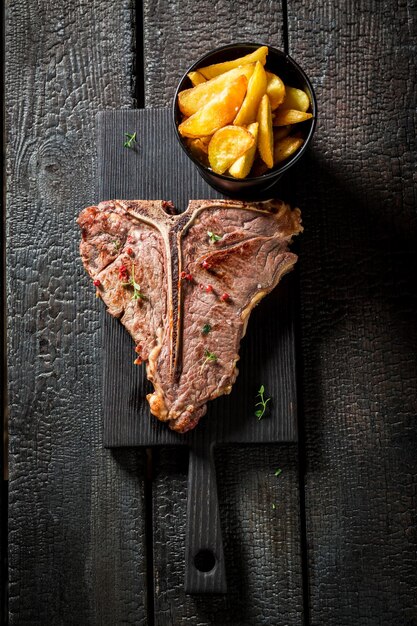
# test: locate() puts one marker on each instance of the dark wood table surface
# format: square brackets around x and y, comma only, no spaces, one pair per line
[97,536]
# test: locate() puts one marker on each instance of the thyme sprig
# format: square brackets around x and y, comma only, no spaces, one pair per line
[209,357]
[262,403]
[130,141]
[137,293]
[213,237]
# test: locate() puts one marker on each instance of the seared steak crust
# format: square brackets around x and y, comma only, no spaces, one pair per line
[185,296]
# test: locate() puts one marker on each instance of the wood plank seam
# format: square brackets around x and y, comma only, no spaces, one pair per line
[285,39]
[139,70]
[139,55]
[4,458]
[300,406]
[302,459]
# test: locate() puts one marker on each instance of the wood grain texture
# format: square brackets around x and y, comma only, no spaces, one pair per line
[76,510]
[177,33]
[261,543]
[358,289]
[3,554]
[268,350]
[264,578]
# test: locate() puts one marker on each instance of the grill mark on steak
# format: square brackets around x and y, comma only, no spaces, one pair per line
[166,327]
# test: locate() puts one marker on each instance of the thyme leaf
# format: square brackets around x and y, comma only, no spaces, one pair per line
[213,237]
[137,293]
[209,357]
[131,139]
[259,413]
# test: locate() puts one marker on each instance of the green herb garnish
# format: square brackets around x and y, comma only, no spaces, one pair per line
[137,294]
[262,403]
[278,472]
[209,357]
[206,329]
[131,139]
[213,237]
[117,244]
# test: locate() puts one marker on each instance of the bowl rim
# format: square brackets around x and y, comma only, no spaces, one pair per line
[274,173]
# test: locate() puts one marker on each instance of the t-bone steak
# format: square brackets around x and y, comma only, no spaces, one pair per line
[184,286]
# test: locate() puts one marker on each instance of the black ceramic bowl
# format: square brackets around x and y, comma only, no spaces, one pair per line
[292,74]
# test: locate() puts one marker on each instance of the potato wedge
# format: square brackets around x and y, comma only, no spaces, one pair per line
[219,68]
[266,137]
[290,116]
[275,89]
[218,112]
[227,145]
[197,146]
[242,167]
[205,141]
[256,89]
[280,132]
[285,147]
[196,78]
[258,167]
[198,150]
[296,99]
[193,99]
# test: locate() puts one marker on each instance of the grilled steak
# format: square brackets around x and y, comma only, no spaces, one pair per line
[184,286]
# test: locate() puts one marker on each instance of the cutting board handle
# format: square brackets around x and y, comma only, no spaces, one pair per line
[204,558]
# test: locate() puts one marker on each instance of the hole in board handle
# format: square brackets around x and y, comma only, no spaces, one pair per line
[204,561]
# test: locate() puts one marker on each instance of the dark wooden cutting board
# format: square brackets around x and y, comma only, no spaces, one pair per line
[157,168]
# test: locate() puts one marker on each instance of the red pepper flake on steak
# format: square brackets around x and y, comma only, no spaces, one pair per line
[170,330]
[123,273]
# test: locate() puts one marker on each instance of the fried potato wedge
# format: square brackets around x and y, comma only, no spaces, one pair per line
[280,132]
[259,168]
[205,141]
[243,165]
[218,112]
[227,145]
[219,68]
[290,116]
[266,136]
[198,150]
[193,99]
[296,99]
[196,78]
[197,146]
[275,89]
[285,147]
[256,89]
